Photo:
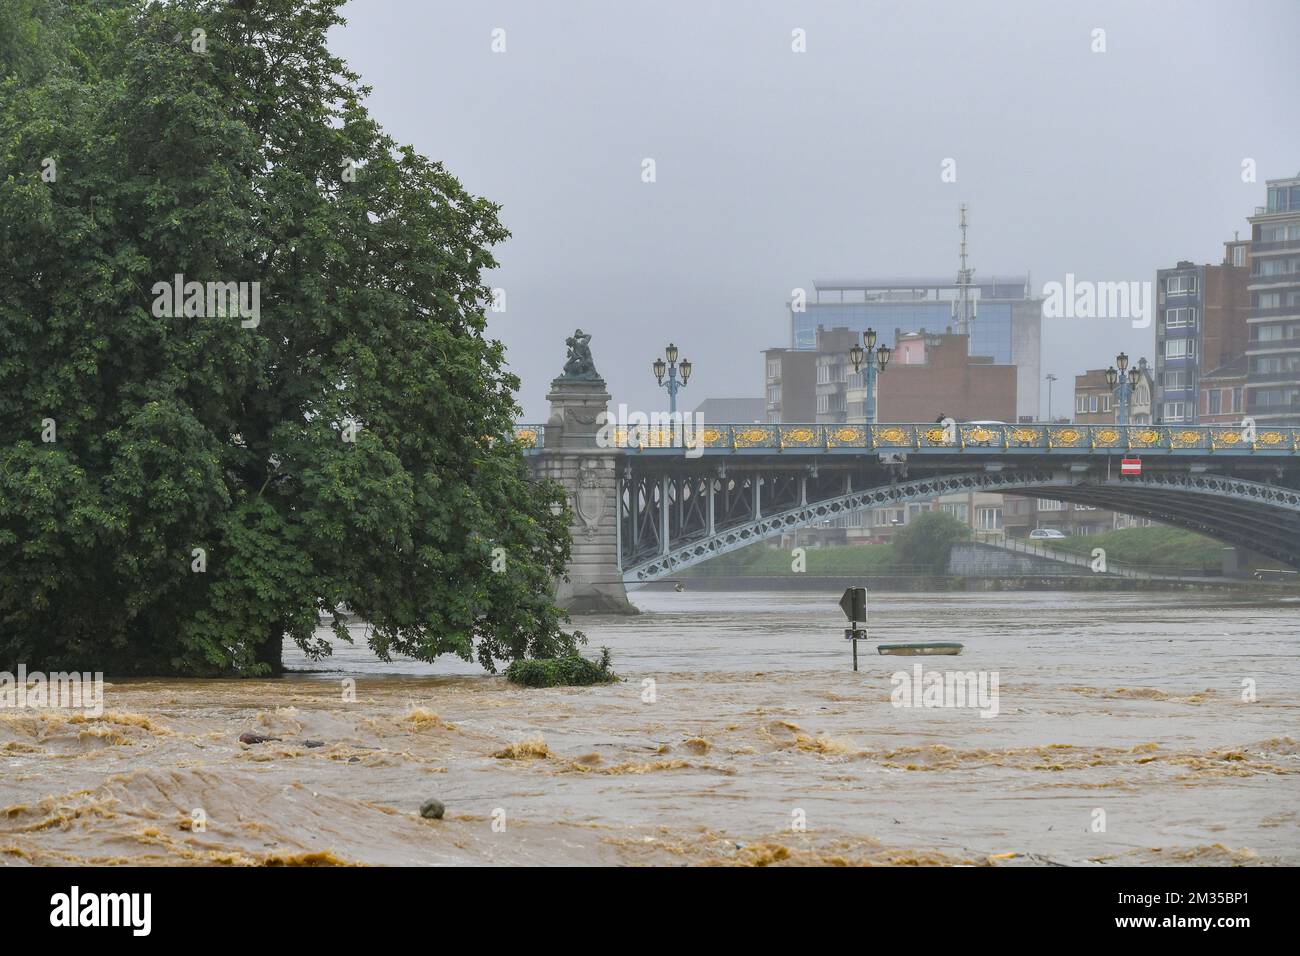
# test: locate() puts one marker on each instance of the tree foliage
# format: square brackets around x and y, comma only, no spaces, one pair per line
[570,670]
[189,440]
[925,543]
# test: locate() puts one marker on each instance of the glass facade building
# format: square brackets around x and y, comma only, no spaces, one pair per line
[991,332]
[884,317]
[1005,319]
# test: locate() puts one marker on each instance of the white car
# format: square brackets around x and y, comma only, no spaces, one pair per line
[1045,533]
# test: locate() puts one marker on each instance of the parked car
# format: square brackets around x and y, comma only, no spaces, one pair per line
[1045,533]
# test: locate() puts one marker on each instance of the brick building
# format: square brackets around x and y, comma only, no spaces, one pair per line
[1095,402]
[1222,394]
[1201,324]
[928,375]
[942,378]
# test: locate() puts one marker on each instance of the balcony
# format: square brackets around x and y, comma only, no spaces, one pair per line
[1272,411]
[1280,246]
[1287,375]
[1262,278]
[1275,312]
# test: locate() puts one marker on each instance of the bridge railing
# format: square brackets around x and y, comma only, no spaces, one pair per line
[531,437]
[938,438]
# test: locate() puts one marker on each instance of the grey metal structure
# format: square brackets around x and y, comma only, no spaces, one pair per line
[649,501]
[709,516]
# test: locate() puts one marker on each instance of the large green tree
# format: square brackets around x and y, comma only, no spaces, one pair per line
[925,544]
[180,493]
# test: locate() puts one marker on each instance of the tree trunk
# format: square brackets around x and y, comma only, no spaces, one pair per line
[271,650]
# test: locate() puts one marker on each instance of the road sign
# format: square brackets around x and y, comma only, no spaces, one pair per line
[854,604]
[1131,467]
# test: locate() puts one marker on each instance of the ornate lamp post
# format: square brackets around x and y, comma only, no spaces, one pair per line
[876,358]
[1122,385]
[671,367]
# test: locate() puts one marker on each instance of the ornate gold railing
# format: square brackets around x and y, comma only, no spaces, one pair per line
[959,437]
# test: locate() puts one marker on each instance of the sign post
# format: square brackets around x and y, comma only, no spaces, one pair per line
[854,605]
[1130,467]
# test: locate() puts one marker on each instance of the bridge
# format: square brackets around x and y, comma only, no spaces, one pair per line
[648,502]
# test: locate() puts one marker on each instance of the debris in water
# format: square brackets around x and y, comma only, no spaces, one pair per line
[255,739]
[432,809]
[524,750]
[930,647]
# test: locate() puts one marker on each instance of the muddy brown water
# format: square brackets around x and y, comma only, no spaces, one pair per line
[1126,732]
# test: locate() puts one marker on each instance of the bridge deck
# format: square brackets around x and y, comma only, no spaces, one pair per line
[981,439]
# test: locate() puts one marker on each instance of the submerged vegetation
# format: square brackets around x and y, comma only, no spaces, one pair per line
[570,670]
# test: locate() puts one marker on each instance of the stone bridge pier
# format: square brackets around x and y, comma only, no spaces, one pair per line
[589,475]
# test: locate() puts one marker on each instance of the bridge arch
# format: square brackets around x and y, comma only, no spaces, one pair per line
[1250,514]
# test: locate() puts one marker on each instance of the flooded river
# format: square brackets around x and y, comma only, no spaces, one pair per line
[1129,728]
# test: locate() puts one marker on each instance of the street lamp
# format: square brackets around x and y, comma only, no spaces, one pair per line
[671,367]
[1050,379]
[1122,385]
[858,356]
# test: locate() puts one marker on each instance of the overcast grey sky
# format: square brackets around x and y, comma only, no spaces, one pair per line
[775,168]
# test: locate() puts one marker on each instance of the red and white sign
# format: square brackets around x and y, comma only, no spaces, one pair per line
[1130,466]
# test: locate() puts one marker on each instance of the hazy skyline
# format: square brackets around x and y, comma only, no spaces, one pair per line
[776,168]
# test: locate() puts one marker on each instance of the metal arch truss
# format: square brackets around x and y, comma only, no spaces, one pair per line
[1261,517]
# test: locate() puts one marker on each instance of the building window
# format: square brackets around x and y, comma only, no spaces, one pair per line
[773,369]
[1276,267]
[1174,411]
[1276,333]
[1173,381]
[960,512]
[1081,404]
[1215,398]
[1179,285]
[1239,256]
[1092,403]
[1180,348]
[1180,318]
[988,519]
[1281,232]
[823,404]
[1105,403]
[774,395]
[1047,504]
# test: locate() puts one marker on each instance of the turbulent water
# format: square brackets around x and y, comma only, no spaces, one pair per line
[1133,728]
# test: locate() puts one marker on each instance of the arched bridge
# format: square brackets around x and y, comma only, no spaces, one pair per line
[670,498]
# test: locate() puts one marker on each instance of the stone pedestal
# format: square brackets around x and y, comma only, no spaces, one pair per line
[588,473]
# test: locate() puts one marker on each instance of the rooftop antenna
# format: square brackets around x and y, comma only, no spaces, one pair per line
[963,280]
